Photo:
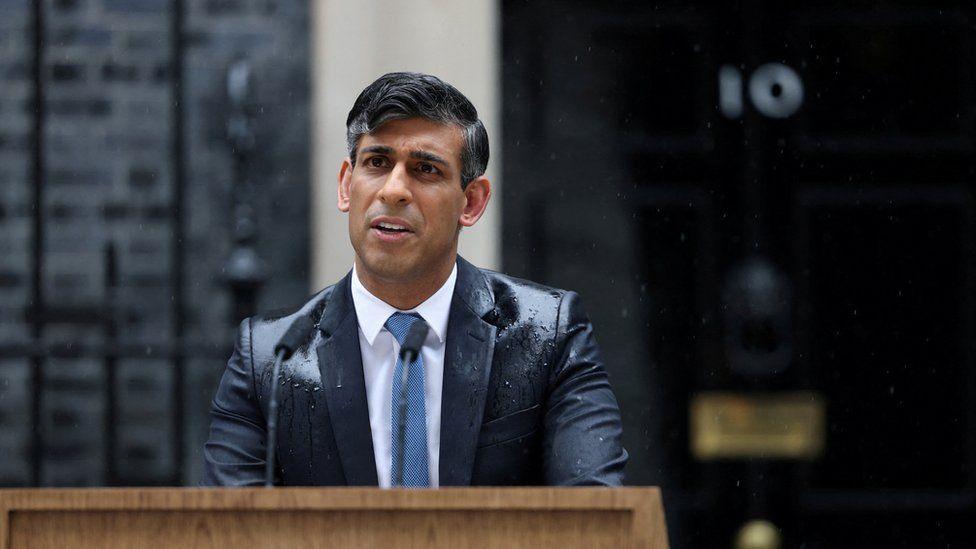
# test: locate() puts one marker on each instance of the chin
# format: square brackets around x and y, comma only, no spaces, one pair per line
[389,266]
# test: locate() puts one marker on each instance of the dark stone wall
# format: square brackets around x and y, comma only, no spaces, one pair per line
[109,170]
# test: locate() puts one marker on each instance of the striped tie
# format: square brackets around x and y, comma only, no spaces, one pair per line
[415,472]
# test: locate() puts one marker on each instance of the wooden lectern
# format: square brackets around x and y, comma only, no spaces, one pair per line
[252,518]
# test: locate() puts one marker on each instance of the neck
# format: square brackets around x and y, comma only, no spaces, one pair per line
[405,294]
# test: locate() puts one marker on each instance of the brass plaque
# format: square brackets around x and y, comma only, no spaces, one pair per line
[763,425]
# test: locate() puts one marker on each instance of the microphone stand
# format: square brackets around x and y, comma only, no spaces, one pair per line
[293,338]
[409,352]
[269,459]
[402,420]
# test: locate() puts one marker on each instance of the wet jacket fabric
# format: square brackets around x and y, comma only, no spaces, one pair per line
[526,399]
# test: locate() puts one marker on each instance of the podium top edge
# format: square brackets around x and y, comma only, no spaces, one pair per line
[328,498]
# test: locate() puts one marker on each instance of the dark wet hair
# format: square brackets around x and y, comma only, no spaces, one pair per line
[399,95]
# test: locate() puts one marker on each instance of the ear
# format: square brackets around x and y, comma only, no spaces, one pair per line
[345,179]
[476,195]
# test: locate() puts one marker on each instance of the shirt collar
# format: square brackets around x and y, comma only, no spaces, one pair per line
[372,312]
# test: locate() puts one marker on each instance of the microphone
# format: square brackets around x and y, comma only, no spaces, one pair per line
[413,342]
[294,336]
[408,353]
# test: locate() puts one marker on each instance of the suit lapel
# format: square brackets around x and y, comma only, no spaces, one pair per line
[467,366]
[341,369]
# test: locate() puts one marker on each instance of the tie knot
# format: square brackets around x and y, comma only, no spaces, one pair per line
[399,324]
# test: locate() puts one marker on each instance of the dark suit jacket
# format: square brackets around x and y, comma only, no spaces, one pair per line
[526,399]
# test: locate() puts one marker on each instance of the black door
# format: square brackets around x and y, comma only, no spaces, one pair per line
[759,200]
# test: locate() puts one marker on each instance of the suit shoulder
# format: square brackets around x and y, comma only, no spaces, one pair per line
[507,284]
[267,328]
[312,306]
[521,300]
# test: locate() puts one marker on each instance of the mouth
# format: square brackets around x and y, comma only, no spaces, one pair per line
[390,229]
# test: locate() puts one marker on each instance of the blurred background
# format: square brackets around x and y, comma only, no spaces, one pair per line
[767,208]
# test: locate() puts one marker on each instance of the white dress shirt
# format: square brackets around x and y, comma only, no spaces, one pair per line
[379,350]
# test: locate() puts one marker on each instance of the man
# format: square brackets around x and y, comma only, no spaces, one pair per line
[509,387]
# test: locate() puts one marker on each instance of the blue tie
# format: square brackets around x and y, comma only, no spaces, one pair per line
[415,472]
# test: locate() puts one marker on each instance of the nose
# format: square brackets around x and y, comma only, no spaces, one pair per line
[395,190]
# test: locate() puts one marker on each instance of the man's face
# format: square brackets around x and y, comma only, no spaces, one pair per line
[404,199]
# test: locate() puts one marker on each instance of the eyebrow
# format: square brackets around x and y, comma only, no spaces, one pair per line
[429,157]
[418,155]
[378,149]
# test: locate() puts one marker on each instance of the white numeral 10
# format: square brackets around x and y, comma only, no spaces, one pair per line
[775,90]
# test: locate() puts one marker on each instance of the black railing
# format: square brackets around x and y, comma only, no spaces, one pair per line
[37,257]
[112,345]
[179,179]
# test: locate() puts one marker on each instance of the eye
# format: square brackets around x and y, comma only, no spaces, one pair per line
[427,168]
[375,161]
